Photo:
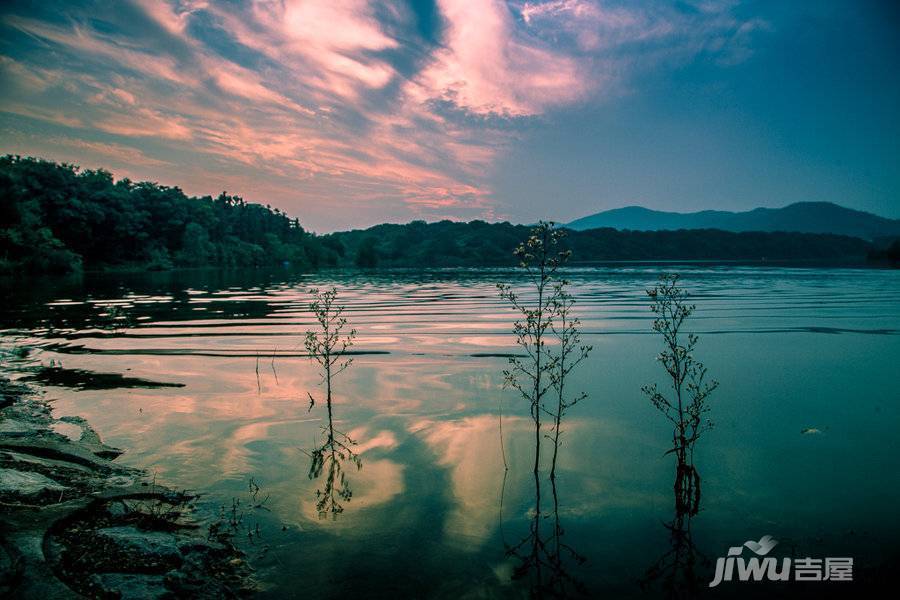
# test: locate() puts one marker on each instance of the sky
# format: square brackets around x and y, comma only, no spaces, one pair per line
[348,113]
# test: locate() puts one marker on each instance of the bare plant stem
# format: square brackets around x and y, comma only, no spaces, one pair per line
[328,346]
[690,392]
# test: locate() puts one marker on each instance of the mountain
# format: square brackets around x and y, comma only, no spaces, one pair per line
[806,217]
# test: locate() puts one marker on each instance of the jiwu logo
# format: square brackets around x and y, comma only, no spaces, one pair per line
[754,569]
[768,568]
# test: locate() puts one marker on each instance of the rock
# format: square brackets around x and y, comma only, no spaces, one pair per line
[159,545]
[38,463]
[15,427]
[70,430]
[26,483]
[74,522]
[78,430]
[120,481]
[137,586]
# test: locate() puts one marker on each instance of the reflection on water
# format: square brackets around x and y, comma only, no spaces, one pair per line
[56,375]
[795,349]
[680,572]
[331,457]
[544,557]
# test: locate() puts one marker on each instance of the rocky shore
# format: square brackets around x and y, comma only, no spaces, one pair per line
[73,523]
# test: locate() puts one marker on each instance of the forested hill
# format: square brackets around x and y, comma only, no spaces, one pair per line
[449,243]
[57,218]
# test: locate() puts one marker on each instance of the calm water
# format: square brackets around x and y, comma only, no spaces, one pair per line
[794,349]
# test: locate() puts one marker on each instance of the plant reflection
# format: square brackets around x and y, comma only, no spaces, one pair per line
[544,557]
[328,346]
[676,571]
[330,458]
[685,408]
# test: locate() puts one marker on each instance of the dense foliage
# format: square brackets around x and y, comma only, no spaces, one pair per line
[56,217]
[477,243]
[886,251]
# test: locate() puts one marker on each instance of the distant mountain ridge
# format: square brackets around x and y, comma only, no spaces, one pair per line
[805,217]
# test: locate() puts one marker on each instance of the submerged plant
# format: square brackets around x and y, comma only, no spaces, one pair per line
[532,376]
[328,346]
[540,379]
[114,318]
[549,313]
[235,521]
[687,404]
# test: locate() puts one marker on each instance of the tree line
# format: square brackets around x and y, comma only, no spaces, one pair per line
[477,243]
[57,218]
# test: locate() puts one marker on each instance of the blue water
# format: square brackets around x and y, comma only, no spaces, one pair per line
[804,447]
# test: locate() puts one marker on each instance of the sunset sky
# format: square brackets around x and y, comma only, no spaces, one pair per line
[346,113]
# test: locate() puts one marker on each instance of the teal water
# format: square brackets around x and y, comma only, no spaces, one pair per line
[793,349]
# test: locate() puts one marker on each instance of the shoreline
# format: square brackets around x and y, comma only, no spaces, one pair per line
[75,523]
[861,263]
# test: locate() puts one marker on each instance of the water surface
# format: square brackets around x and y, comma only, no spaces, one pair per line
[794,350]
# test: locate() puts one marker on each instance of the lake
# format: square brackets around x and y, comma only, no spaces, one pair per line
[804,448]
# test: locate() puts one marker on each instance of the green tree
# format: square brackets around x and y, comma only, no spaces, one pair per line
[367,253]
[196,248]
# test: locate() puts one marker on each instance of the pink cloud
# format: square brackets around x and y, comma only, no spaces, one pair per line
[241,82]
[488,66]
[407,151]
[90,43]
[42,114]
[171,19]
[329,118]
[118,154]
[333,60]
